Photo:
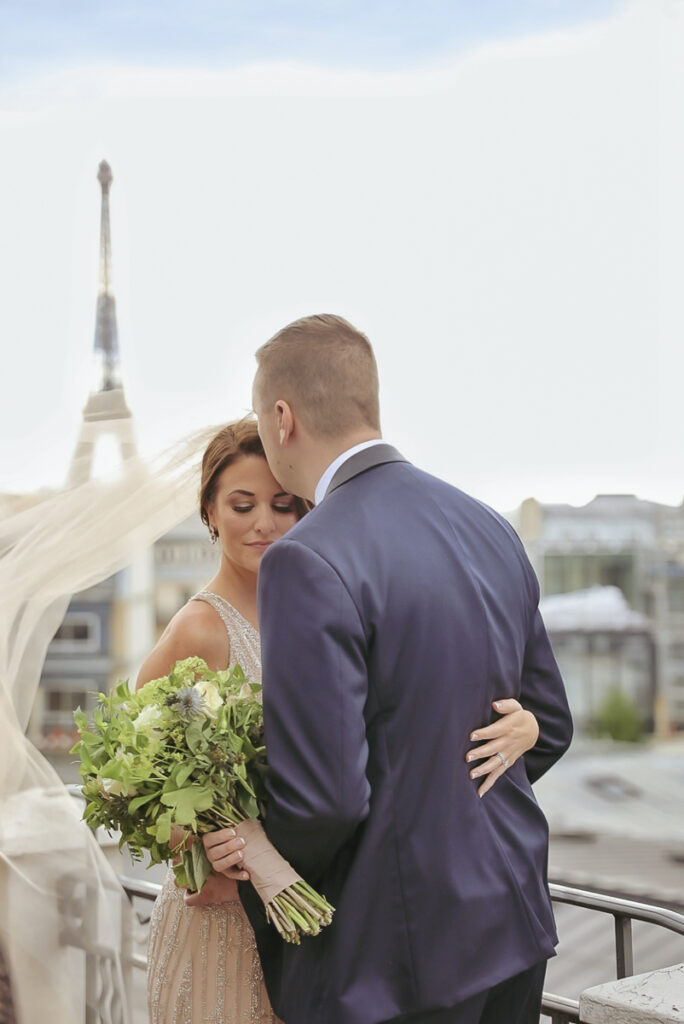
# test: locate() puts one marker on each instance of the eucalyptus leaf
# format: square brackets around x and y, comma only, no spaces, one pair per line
[189,869]
[181,874]
[164,823]
[140,801]
[187,802]
[184,773]
[200,864]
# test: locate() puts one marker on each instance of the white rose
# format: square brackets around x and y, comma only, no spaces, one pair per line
[244,693]
[113,787]
[210,696]
[147,718]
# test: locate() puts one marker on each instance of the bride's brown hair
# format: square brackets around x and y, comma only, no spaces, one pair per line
[232,442]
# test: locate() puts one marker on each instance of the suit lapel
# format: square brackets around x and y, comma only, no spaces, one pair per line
[376,455]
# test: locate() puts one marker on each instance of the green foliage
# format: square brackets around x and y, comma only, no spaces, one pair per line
[618,718]
[186,749]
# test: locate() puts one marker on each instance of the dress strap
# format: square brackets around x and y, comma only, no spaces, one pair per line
[220,605]
[245,648]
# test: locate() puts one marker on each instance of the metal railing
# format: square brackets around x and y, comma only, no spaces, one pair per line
[560,1009]
[566,1011]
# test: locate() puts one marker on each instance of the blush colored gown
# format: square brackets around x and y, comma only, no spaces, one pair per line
[203,965]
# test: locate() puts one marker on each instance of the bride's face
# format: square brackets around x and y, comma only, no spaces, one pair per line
[250,511]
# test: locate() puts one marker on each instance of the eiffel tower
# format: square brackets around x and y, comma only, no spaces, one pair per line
[105,412]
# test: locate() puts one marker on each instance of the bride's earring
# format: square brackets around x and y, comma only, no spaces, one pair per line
[213,534]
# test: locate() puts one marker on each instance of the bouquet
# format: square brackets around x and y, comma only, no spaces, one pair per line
[187,749]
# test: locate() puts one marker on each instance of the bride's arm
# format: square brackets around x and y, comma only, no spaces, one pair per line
[195,631]
[507,739]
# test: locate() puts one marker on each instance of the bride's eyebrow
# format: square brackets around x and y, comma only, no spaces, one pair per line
[250,494]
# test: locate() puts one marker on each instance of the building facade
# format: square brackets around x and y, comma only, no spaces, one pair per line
[602,647]
[624,542]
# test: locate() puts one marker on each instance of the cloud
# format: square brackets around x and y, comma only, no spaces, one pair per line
[493,220]
[225,33]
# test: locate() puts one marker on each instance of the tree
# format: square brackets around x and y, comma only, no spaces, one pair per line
[619,718]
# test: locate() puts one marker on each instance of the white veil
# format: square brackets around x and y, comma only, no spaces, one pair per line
[57,891]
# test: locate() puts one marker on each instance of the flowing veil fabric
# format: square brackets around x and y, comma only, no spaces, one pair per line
[57,890]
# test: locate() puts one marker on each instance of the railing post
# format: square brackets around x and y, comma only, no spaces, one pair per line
[623,946]
[560,1009]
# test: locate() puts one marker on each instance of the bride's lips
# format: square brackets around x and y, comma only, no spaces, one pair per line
[261,544]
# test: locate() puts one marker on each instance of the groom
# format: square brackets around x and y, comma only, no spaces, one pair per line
[391,616]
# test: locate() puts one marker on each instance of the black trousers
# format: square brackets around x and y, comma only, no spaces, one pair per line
[516,1000]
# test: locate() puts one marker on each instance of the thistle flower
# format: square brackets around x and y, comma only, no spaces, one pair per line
[188,703]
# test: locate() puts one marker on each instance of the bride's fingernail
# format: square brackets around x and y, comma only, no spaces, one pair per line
[497,705]
[474,736]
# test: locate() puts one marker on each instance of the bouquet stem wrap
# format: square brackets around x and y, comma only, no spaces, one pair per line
[293,907]
[269,872]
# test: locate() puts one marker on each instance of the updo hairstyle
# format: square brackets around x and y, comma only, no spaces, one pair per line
[232,441]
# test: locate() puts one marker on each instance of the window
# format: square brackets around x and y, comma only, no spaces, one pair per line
[66,700]
[675,593]
[73,631]
[563,573]
[80,632]
[60,698]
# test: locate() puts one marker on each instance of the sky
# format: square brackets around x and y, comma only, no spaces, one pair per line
[492,192]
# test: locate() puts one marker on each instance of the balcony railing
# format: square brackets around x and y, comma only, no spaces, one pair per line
[566,1011]
[104,1009]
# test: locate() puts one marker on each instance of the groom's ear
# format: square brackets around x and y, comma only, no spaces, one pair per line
[285,422]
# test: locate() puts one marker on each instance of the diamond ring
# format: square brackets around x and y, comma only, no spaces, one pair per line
[504,760]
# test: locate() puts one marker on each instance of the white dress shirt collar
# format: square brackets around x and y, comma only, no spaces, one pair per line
[324,482]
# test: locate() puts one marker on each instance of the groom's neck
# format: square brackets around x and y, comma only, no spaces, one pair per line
[323,453]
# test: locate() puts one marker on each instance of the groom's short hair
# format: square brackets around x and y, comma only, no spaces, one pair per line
[326,369]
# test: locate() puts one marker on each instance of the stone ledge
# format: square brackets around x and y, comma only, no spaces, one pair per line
[653,998]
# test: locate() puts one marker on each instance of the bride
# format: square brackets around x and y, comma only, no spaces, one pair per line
[203,965]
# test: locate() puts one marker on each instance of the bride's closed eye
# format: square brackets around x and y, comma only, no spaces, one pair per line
[284,509]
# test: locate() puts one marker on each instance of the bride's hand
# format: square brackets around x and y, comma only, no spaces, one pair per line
[225,850]
[216,889]
[509,737]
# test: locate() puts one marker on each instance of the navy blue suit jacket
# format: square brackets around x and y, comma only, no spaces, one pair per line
[391,617]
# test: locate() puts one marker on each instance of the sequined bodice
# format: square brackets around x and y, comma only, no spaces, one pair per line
[245,647]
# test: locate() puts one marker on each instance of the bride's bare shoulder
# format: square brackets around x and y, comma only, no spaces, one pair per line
[196,630]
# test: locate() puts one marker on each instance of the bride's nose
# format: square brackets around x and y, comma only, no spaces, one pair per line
[265,520]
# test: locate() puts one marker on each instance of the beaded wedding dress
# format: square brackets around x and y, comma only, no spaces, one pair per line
[203,965]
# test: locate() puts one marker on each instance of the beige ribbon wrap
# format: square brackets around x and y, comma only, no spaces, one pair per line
[269,872]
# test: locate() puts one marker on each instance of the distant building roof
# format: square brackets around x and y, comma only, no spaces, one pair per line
[597,609]
[629,793]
